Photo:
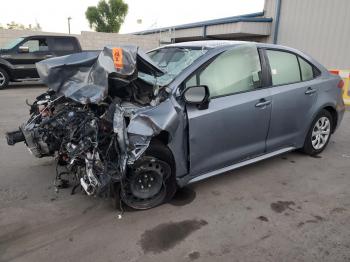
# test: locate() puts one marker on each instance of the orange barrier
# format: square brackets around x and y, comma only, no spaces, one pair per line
[345,75]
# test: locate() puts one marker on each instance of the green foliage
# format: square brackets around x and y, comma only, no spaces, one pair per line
[18,26]
[14,25]
[107,17]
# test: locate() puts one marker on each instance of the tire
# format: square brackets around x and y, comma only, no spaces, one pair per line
[156,168]
[4,79]
[325,121]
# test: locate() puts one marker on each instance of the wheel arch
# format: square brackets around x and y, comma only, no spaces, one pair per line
[329,108]
[334,115]
[7,70]
[163,137]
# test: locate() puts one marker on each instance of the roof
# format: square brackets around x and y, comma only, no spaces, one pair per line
[254,17]
[46,36]
[220,43]
[207,43]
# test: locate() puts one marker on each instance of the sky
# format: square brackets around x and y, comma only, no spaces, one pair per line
[52,15]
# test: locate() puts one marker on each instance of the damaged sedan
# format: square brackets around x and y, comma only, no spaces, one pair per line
[150,123]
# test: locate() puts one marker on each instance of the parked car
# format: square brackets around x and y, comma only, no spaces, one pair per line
[18,58]
[192,111]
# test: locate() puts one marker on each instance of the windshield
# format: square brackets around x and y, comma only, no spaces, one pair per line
[12,43]
[172,60]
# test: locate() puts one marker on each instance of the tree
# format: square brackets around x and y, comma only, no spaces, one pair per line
[107,17]
[19,26]
[14,25]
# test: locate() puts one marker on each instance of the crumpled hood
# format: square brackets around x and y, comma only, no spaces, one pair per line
[83,77]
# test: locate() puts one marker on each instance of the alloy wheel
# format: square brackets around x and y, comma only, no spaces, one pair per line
[320,133]
[2,79]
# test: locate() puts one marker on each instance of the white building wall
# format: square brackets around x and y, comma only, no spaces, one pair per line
[320,28]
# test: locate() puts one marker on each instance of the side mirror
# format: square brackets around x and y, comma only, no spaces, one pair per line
[197,95]
[23,49]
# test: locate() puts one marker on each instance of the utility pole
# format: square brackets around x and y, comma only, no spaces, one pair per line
[69,18]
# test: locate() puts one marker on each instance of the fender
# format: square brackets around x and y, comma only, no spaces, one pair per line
[7,66]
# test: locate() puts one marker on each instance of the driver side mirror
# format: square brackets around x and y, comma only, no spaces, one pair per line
[197,95]
[23,49]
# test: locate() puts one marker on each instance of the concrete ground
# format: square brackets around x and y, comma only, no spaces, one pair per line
[289,208]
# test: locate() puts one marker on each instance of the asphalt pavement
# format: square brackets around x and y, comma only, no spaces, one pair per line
[289,208]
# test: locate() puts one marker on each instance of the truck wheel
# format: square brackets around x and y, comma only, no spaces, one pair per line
[151,181]
[4,79]
[319,134]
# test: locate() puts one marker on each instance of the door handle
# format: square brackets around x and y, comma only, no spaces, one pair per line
[310,91]
[48,56]
[263,103]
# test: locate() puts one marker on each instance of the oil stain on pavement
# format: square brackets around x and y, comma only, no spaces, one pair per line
[314,221]
[165,236]
[263,218]
[194,255]
[281,206]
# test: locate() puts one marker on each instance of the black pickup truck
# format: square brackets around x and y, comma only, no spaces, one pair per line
[18,58]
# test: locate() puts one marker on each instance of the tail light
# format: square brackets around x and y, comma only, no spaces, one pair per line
[334,72]
[340,84]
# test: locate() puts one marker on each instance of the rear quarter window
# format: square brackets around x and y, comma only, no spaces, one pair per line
[307,70]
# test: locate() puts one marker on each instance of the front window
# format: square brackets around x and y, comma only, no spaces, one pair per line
[13,43]
[234,71]
[172,60]
[36,45]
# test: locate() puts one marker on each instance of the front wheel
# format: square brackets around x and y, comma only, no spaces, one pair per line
[4,79]
[151,180]
[319,134]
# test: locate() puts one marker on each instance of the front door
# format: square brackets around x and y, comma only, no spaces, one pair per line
[235,125]
[24,63]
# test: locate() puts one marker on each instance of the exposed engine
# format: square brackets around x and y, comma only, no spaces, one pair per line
[84,124]
[81,137]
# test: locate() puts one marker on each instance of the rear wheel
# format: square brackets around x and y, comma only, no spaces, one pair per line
[4,79]
[319,133]
[151,180]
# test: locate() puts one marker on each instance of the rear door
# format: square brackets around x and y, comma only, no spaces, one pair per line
[294,95]
[235,125]
[24,63]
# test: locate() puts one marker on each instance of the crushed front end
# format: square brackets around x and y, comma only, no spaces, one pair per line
[92,119]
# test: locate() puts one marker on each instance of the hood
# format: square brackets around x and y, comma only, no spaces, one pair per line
[83,76]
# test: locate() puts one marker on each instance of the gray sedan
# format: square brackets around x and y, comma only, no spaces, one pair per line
[242,102]
[145,125]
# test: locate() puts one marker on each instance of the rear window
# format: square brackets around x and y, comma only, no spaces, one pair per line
[284,67]
[64,44]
